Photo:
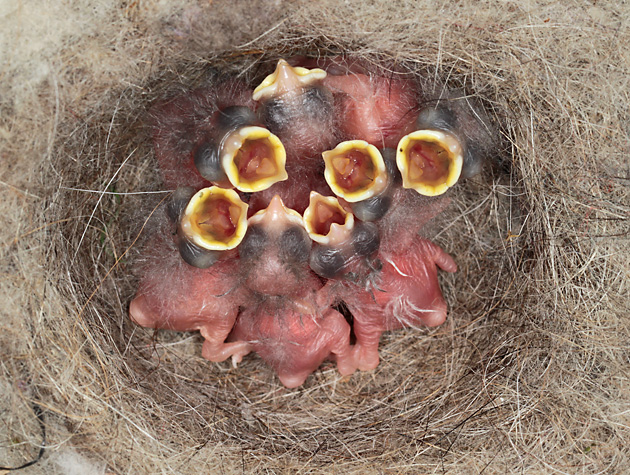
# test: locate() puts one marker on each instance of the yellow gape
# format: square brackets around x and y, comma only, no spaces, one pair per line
[215,219]
[253,159]
[326,222]
[355,170]
[430,161]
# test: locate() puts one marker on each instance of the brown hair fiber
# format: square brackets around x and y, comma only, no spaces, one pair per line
[530,373]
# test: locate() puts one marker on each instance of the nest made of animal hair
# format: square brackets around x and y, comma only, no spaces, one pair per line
[528,373]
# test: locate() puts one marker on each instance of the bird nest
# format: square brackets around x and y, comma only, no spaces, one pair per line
[526,374]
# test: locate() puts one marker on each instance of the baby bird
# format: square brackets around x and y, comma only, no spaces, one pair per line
[297,198]
[405,292]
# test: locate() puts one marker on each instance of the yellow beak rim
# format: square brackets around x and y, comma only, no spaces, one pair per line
[359,162]
[332,227]
[430,161]
[253,159]
[215,219]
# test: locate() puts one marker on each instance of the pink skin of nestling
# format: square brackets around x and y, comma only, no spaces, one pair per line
[294,336]
[294,191]
[284,321]
[266,269]
[299,111]
[182,123]
[375,109]
[261,298]
[176,296]
[377,106]
[404,293]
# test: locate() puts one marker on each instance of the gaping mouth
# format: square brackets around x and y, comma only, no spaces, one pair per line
[430,161]
[274,282]
[215,219]
[253,159]
[326,222]
[355,170]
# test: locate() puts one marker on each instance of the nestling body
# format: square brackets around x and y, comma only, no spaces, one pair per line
[267,252]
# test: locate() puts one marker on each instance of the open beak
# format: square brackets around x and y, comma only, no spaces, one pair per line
[215,219]
[253,159]
[355,170]
[326,222]
[430,161]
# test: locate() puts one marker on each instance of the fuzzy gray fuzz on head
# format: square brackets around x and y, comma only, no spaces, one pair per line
[528,374]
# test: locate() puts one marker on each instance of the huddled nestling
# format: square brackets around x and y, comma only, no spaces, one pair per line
[293,230]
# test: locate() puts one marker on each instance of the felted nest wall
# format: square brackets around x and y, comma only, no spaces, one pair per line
[530,372]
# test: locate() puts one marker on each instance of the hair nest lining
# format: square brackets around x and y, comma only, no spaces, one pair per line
[530,371]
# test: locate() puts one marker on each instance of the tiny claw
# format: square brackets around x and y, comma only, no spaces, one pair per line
[326,222]
[215,219]
[253,159]
[355,170]
[286,78]
[430,161]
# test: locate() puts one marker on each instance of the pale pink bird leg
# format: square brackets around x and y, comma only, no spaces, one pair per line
[331,338]
[214,347]
[214,328]
[406,294]
[292,342]
[189,299]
